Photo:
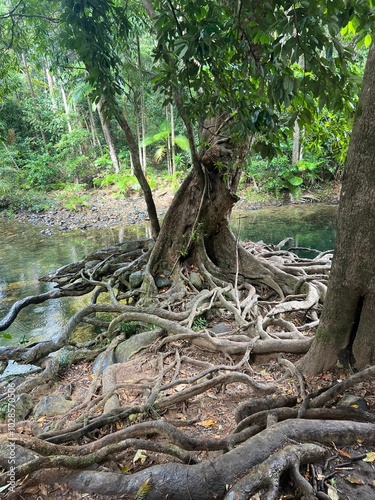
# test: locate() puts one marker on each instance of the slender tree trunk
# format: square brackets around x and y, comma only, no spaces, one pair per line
[94,133]
[108,138]
[142,111]
[173,152]
[31,88]
[133,147]
[346,331]
[51,88]
[168,148]
[296,154]
[66,108]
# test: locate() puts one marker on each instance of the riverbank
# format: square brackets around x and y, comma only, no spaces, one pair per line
[104,208]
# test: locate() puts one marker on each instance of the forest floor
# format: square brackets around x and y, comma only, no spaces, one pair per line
[212,414]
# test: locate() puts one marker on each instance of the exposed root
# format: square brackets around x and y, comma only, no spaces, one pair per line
[262,305]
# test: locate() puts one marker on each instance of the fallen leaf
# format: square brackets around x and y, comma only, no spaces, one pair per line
[32,490]
[332,493]
[343,453]
[180,387]
[208,423]
[140,455]
[354,480]
[41,418]
[370,457]
[143,490]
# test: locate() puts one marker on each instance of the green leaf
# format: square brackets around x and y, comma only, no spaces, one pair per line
[143,490]
[295,181]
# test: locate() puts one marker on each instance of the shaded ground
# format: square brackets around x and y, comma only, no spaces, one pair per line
[212,415]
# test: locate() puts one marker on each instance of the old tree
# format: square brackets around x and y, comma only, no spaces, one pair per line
[239,74]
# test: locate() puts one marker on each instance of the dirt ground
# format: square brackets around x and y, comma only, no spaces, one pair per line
[212,415]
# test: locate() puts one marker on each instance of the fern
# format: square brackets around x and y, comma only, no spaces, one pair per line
[143,490]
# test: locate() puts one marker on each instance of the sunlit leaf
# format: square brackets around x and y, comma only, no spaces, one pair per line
[354,480]
[140,455]
[332,493]
[370,457]
[208,423]
[143,490]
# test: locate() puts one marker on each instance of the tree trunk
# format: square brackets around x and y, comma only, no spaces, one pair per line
[31,88]
[66,108]
[142,152]
[133,147]
[94,134]
[173,168]
[296,154]
[346,330]
[196,226]
[108,139]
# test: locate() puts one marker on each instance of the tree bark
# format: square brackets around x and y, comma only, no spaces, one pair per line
[108,139]
[31,88]
[133,147]
[346,329]
[196,226]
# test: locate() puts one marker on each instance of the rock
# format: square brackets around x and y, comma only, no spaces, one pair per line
[161,281]
[220,328]
[52,405]
[17,453]
[24,405]
[103,360]
[129,347]
[352,401]
[196,280]
[136,279]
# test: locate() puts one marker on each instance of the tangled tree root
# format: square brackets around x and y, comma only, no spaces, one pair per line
[270,437]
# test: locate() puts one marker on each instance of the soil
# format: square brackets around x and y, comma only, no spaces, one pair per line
[98,209]
[212,414]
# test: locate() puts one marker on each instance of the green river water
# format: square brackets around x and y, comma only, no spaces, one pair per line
[27,252]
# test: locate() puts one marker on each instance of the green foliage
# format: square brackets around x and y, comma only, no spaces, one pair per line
[199,323]
[279,175]
[123,184]
[131,328]
[42,170]
[76,202]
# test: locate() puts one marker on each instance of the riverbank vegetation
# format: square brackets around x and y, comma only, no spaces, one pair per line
[263,95]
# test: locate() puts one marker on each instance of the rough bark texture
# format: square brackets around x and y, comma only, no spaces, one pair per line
[346,328]
[196,226]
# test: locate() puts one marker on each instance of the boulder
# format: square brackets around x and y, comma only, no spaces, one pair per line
[52,405]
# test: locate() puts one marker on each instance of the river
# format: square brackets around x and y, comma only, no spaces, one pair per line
[28,252]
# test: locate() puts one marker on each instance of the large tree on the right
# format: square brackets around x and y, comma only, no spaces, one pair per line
[346,334]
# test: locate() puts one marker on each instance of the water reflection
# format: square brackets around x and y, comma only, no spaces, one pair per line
[311,226]
[26,253]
